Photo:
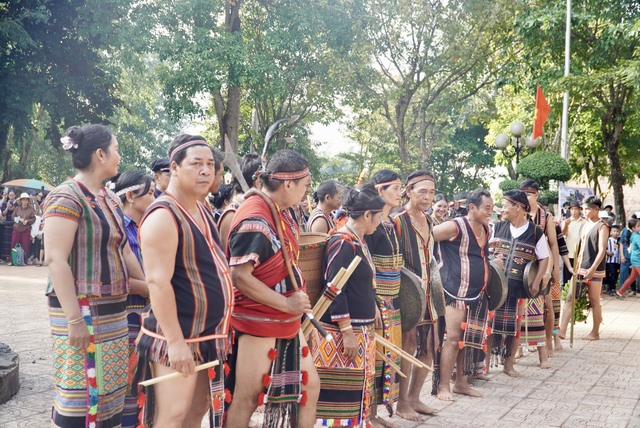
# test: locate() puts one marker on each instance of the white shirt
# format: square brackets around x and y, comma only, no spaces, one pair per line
[542,249]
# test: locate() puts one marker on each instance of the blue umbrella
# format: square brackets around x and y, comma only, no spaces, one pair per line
[29,183]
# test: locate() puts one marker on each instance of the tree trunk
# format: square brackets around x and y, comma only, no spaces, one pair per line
[5,153]
[401,113]
[229,114]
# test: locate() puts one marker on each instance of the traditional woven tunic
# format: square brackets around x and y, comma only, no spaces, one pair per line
[204,300]
[387,258]
[465,274]
[318,215]
[588,250]
[90,385]
[346,387]
[515,253]
[253,238]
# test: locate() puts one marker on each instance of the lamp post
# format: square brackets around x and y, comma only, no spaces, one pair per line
[517,130]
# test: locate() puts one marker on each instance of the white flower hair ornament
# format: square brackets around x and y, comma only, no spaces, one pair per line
[68,144]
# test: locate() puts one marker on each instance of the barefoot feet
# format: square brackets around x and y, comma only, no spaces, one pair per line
[508,369]
[592,336]
[405,411]
[557,343]
[422,408]
[378,422]
[466,389]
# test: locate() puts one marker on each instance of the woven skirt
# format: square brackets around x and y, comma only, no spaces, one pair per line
[532,329]
[346,388]
[90,384]
[387,381]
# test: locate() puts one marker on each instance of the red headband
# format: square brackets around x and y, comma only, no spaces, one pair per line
[295,175]
[186,146]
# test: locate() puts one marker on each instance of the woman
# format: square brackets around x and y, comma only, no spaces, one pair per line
[440,208]
[387,258]
[8,205]
[329,198]
[221,200]
[91,271]
[136,192]
[634,257]
[347,372]
[23,217]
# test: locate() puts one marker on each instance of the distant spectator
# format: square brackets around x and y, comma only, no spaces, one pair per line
[613,260]
[9,203]
[23,217]
[161,175]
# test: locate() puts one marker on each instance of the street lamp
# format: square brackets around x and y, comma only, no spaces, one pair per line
[516,129]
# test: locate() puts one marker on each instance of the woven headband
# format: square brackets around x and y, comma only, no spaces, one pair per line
[361,212]
[529,189]
[388,183]
[514,202]
[588,205]
[186,146]
[130,189]
[295,175]
[420,179]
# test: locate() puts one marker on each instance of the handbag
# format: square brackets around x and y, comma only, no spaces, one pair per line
[17,255]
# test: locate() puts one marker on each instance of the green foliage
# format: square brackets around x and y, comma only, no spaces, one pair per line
[548,197]
[544,166]
[508,185]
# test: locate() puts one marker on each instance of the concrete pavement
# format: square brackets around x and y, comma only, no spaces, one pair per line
[593,384]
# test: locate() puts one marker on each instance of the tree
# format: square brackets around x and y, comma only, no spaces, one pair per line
[408,57]
[605,58]
[51,69]
[544,166]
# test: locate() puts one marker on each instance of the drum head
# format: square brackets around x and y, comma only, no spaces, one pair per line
[497,287]
[412,299]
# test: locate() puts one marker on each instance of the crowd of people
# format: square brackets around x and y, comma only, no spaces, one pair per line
[150,276]
[21,225]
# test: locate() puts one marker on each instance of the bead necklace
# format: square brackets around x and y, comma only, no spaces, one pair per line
[395,251]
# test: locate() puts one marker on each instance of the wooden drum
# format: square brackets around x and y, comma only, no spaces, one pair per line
[310,262]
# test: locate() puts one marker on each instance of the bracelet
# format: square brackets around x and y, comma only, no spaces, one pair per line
[343,329]
[75,321]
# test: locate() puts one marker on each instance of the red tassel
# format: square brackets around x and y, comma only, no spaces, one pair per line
[484,348]
[141,426]
[461,344]
[227,396]
[492,315]
[518,334]
[305,377]
[93,382]
[266,380]
[489,331]
[212,373]
[273,354]
[142,400]
[305,351]
[227,369]
[261,398]
[303,398]
[217,404]
[463,325]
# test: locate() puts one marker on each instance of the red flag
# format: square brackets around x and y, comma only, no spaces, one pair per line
[540,116]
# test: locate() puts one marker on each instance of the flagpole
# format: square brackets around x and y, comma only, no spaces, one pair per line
[565,102]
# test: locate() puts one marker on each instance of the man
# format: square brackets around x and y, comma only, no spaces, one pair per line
[515,231]
[464,247]
[414,230]
[594,237]
[190,290]
[274,365]
[545,220]
[571,229]
[217,178]
[161,175]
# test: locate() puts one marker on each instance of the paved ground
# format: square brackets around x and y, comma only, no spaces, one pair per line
[594,384]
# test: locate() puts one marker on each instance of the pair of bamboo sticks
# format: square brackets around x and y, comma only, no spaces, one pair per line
[324,302]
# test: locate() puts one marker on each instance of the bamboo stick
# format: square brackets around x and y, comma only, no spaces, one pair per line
[174,375]
[403,354]
[391,364]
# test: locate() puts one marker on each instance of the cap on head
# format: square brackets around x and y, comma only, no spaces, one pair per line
[159,164]
[24,195]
